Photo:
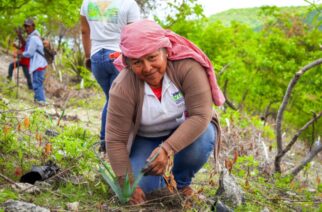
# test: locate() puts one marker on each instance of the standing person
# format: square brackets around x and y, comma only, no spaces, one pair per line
[21,61]
[38,64]
[101,24]
[161,105]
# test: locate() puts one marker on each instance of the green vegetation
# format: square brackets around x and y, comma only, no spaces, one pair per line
[24,143]
[254,68]
[255,52]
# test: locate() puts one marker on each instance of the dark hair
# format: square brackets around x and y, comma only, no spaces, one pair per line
[29,22]
[126,60]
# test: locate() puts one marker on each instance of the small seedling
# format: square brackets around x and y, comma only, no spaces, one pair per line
[123,193]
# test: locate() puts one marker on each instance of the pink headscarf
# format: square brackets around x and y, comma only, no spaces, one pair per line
[145,36]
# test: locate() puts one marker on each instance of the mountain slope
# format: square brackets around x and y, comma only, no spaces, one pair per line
[253,17]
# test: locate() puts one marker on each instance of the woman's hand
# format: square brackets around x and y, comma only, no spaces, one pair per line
[157,164]
[138,196]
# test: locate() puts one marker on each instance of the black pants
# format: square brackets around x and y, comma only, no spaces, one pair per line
[25,72]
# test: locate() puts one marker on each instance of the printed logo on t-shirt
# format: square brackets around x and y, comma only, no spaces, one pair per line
[177,97]
[102,11]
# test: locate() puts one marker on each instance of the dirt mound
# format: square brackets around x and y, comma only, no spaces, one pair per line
[53,87]
[59,92]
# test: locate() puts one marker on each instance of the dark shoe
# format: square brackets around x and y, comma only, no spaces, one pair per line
[102,147]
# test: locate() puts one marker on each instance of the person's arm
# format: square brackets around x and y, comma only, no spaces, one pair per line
[197,96]
[32,47]
[119,124]
[85,29]
[118,128]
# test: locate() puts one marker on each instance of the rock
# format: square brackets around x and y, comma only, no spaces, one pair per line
[220,207]
[42,184]
[265,210]
[291,193]
[312,190]
[229,191]
[73,206]
[19,206]
[26,187]
[51,133]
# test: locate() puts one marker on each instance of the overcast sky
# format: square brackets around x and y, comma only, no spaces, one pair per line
[215,6]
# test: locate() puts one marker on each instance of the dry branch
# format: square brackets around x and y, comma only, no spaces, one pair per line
[267,112]
[223,69]
[282,109]
[308,158]
[292,142]
[7,179]
[228,102]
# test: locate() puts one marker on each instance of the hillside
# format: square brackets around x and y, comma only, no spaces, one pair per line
[25,142]
[270,154]
[253,17]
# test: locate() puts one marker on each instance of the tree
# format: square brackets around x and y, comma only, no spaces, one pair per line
[280,150]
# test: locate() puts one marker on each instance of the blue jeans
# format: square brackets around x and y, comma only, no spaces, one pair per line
[25,72]
[104,72]
[38,78]
[187,162]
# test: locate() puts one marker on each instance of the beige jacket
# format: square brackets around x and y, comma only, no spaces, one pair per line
[125,109]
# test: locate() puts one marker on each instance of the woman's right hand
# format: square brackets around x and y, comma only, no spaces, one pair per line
[138,196]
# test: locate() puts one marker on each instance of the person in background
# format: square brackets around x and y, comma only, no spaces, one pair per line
[20,61]
[161,107]
[38,64]
[101,24]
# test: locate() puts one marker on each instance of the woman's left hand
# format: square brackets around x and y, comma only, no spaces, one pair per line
[158,165]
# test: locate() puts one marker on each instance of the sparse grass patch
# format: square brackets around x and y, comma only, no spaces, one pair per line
[95,100]
[6,194]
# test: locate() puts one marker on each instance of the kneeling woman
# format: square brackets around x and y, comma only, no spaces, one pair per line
[161,104]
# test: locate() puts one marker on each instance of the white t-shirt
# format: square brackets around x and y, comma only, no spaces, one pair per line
[160,118]
[106,19]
